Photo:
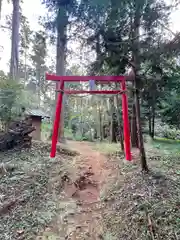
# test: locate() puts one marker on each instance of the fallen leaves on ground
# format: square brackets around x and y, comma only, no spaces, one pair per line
[29,190]
[143,206]
[132,206]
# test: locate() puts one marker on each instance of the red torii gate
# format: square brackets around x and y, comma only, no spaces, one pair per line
[103,79]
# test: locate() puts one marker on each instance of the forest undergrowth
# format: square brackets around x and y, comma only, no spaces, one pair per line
[86,194]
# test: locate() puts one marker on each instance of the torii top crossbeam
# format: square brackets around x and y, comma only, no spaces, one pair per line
[56,78]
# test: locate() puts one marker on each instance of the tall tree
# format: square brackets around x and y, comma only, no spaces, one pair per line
[38,58]
[61,45]
[0,8]
[25,42]
[62,11]
[15,40]
[136,68]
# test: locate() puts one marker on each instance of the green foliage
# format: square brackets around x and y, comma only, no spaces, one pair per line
[171,110]
[25,35]
[10,94]
[166,131]
[113,39]
[29,99]
[77,136]
[39,48]
[39,53]
[171,133]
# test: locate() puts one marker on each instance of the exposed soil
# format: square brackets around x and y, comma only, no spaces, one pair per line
[83,188]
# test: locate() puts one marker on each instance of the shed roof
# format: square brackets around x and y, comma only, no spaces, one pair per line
[36,112]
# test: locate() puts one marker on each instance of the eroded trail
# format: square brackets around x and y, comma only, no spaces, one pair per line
[92,170]
[81,215]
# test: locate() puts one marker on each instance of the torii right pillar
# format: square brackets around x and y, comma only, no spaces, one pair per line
[127,140]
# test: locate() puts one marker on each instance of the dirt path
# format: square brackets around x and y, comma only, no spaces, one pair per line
[81,217]
[91,163]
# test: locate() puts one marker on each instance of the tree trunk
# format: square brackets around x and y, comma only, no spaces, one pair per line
[153,112]
[119,123]
[0,8]
[153,126]
[100,124]
[139,131]
[113,122]
[113,132]
[134,138]
[151,117]
[38,85]
[15,41]
[62,21]
[137,85]
[149,122]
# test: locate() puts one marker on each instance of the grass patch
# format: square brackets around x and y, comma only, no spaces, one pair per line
[165,140]
[107,148]
[166,145]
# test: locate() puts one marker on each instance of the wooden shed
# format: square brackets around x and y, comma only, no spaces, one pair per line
[36,116]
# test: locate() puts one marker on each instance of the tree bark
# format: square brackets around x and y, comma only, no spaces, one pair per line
[153,115]
[0,8]
[62,21]
[100,125]
[149,121]
[15,41]
[134,138]
[136,29]
[100,120]
[119,123]
[38,79]
[153,124]
[139,131]
[113,120]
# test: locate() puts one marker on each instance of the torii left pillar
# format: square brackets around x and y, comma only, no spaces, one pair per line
[57,119]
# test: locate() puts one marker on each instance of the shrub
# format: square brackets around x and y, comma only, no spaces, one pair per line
[10,93]
[168,132]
